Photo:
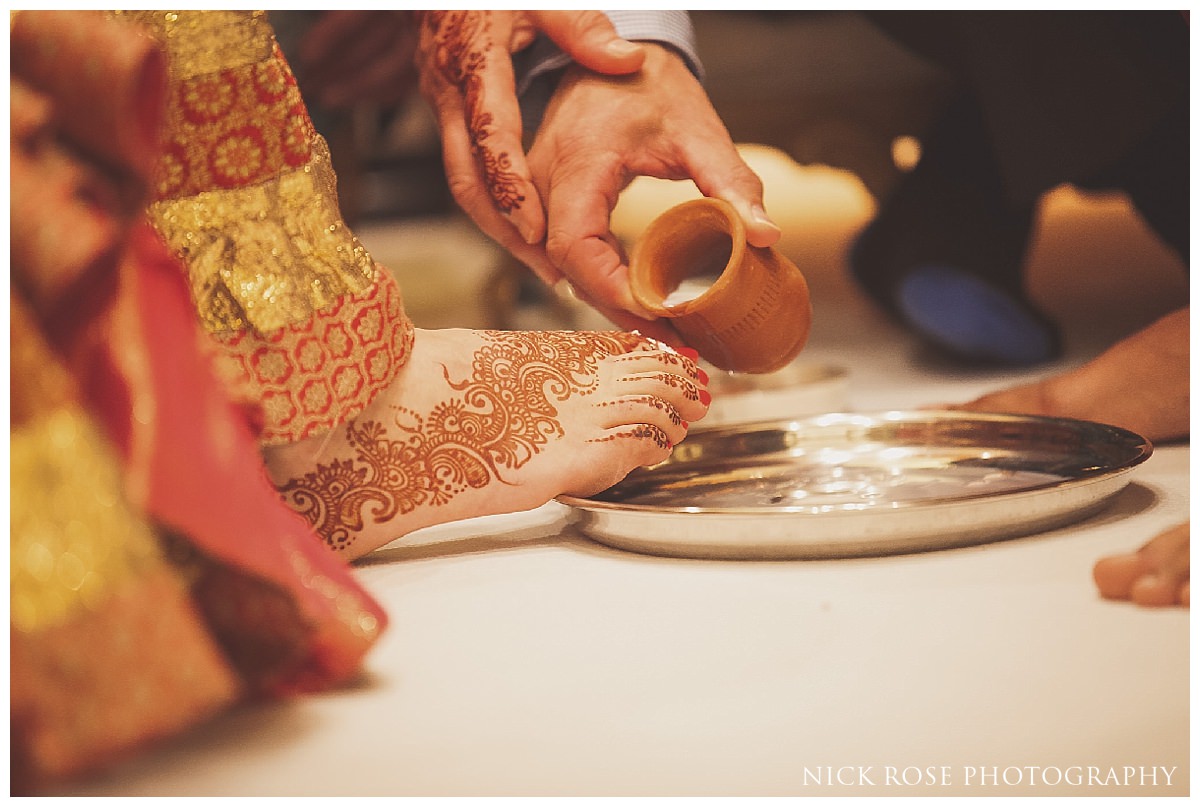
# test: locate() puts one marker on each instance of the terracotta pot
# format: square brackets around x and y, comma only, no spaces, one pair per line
[744,308]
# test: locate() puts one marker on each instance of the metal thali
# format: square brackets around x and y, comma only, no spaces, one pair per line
[853,485]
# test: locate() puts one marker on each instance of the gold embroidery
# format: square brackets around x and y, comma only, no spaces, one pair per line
[248,200]
[269,255]
[247,193]
[204,44]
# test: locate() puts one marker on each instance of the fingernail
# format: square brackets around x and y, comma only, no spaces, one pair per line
[622,48]
[760,216]
[705,397]
[527,233]
[1149,580]
[703,376]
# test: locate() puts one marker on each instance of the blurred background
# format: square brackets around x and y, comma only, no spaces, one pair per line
[829,111]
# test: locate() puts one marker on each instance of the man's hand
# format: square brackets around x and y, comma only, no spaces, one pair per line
[465,63]
[598,134]
[622,110]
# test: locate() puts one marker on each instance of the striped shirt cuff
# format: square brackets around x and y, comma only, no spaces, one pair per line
[538,67]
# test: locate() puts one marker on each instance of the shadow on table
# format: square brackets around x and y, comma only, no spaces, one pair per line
[541,535]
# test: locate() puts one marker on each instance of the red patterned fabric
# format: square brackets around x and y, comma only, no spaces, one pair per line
[156,577]
[234,128]
[309,376]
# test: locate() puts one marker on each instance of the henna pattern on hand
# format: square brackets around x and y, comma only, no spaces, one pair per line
[461,40]
[504,415]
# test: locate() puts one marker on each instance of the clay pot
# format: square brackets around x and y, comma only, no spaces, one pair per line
[744,308]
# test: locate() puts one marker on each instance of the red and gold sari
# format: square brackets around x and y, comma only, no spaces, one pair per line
[156,577]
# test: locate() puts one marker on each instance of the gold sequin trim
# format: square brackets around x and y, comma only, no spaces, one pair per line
[207,41]
[269,255]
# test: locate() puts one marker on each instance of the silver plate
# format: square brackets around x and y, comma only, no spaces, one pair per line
[853,485]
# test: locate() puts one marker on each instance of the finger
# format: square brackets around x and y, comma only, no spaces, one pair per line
[654,328]
[590,39]
[1154,575]
[473,60]
[1115,575]
[443,39]
[1166,559]
[1155,590]
[579,204]
[1168,551]
[659,329]
[719,171]
[708,154]
[467,188]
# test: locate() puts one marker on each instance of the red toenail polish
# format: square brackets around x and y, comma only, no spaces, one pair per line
[703,376]
[690,352]
[705,397]
[685,425]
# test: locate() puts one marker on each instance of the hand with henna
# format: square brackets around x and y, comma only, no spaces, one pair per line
[464,59]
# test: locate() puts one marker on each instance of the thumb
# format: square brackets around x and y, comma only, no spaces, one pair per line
[720,171]
[590,39]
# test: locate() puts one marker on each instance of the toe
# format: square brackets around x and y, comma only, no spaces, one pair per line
[660,361]
[642,443]
[1116,574]
[689,398]
[1155,590]
[1157,574]
[647,409]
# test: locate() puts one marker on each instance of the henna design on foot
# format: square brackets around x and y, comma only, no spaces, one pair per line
[687,388]
[676,361]
[649,400]
[643,431]
[503,416]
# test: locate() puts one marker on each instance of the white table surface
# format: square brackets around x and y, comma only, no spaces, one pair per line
[524,659]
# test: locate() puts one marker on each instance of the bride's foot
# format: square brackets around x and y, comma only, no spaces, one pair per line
[1157,574]
[486,422]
